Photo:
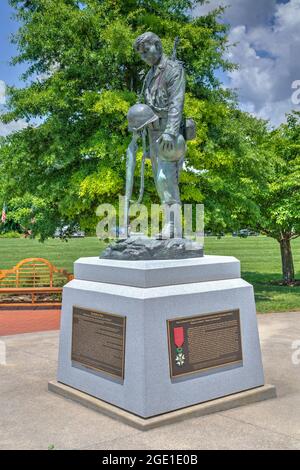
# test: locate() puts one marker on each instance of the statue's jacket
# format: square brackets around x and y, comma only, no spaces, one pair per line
[164,93]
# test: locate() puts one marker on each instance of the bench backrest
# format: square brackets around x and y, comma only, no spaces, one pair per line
[34,272]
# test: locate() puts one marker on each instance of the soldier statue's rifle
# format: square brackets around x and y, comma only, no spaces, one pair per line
[174,53]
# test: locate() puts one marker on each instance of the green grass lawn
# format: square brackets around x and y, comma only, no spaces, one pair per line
[259,256]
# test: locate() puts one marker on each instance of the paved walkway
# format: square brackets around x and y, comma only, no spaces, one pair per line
[13,322]
[33,418]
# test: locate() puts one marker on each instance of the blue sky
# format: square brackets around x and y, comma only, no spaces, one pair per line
[267,33]
[8,74]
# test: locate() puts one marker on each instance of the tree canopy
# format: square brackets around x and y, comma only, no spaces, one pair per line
[279,199]
[82,77]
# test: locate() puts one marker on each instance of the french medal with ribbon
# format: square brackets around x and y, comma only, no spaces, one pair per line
[179,341]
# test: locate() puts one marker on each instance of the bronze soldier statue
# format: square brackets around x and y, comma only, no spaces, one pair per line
[163,90]
[159,121]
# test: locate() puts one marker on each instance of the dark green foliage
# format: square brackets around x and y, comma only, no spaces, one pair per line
[82,76]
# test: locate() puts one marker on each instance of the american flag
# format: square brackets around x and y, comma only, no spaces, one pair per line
[3,217]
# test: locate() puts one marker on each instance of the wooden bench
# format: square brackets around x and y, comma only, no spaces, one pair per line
[32,282]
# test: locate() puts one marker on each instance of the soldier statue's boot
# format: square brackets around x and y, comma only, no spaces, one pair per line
[172,227]
[166,232]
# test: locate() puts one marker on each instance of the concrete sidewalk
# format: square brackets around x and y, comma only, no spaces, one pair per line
[33,418]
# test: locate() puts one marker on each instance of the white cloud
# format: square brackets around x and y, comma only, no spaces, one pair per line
[274,111]
[239,12]
[268,37]
[2,92]
[6,129]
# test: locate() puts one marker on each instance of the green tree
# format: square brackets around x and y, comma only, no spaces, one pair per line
[227,165]
[32,215]
[82,77]
[279,199]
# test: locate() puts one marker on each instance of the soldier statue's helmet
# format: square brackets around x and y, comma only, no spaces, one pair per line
[139,116]
[178,151]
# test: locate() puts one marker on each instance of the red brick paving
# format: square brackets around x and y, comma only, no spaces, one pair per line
[13,322]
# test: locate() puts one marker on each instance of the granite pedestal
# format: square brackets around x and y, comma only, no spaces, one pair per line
[148,294]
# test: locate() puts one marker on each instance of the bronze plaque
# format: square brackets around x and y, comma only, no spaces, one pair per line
[204,342]
[98,341]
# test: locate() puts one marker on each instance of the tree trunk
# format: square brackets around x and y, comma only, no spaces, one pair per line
[288,271]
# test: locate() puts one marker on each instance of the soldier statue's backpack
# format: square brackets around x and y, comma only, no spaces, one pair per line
[188,128]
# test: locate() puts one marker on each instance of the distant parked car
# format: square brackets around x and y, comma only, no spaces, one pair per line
[244,233]
[78,234]
[254,234]
[66,231]
[209,233]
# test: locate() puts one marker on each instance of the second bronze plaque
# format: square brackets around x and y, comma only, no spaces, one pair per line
[204,342]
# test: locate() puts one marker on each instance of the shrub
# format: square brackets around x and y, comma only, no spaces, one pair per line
[10,235]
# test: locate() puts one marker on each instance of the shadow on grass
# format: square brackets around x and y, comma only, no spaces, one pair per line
[264,279]
[270,296]
[269,281]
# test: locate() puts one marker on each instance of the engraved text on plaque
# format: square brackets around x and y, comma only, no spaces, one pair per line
[204,342]
[98,341]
